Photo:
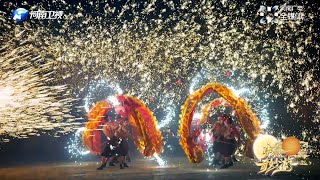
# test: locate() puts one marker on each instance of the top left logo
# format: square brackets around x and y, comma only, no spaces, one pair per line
[20,14]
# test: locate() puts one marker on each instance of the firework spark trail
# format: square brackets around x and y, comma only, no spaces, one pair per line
[159,160]
[75,147]
[28,104]
[99,90]
[150,47]
[209,145]
[169,117]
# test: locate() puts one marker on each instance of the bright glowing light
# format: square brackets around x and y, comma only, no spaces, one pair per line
[170,115]
[169,110]
[196,81]
[239,92]
[209,144]
[100,90]
[207,137]
[6,97]
[262,142]
[75,147]
[197,116]
[160,161]
[30,102]
[114,101]
[265,118]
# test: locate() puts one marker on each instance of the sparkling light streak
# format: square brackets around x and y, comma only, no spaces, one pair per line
[209,144]
[159,160]
[6,96]
[239,92]
[169,117]
[29,105]
[195,82]
[100,90]
[75,147]
[113,100]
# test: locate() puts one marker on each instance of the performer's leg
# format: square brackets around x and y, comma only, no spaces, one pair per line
[217,153]
[125,154]
[128,158]
[228,151]
[226,162]
[125,164]
[121,161]
[217,158]
[104,161]
[112,160]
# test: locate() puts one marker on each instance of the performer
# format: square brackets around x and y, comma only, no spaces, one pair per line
[122,150]
[230,138]
[217,131]
[122,134]
[109,151]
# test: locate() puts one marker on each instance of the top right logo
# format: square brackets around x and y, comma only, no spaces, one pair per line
[284,13]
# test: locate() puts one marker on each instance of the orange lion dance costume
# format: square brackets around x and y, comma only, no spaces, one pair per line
[147,137]
[247,118]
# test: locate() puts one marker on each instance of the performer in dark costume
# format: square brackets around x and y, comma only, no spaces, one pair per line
[123,148]
[109,151]
[229,142]
[122,134]
[217,131]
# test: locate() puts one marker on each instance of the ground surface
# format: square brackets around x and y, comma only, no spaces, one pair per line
[177,168]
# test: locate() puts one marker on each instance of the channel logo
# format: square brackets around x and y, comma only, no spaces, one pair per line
[20,14]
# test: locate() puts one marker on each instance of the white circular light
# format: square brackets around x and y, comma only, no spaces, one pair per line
[262,142]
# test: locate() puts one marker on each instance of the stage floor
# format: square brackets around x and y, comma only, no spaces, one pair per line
[177,168]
